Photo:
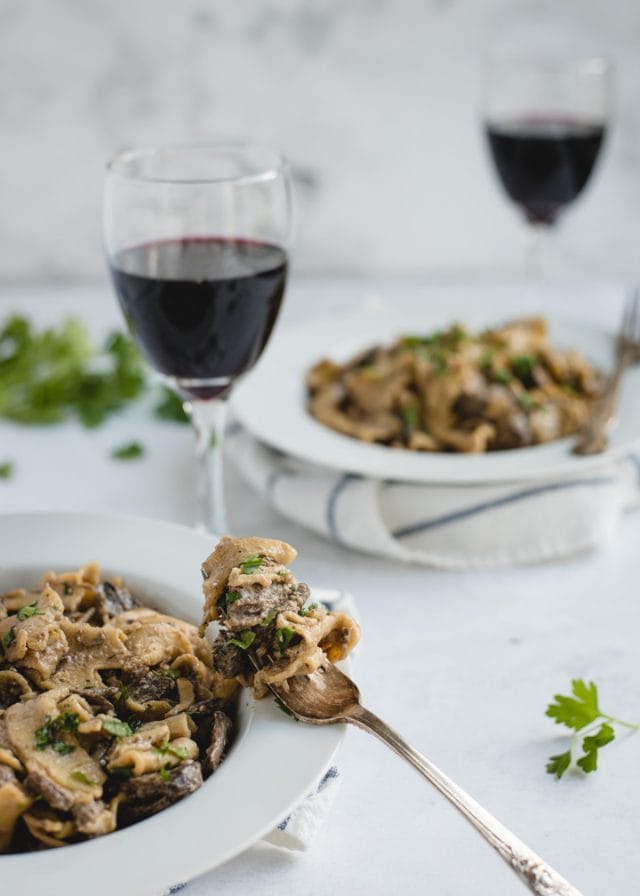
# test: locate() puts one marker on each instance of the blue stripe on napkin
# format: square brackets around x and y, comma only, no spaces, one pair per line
[514,497]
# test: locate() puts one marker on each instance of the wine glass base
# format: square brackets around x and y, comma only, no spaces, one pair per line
[201,389]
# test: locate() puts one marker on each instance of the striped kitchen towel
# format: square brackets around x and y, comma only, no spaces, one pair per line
[446,526]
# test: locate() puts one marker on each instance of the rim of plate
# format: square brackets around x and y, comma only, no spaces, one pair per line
[239,803]
[296,433]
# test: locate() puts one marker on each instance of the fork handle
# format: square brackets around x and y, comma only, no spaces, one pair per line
[532,870]
[594,436]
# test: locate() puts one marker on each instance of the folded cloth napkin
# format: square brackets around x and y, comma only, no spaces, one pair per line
[447,526]
[297,830]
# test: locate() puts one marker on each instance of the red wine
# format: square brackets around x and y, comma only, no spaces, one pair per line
[201,308]
[544,162]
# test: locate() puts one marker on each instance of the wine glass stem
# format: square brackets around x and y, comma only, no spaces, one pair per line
[208,417]
[532,238]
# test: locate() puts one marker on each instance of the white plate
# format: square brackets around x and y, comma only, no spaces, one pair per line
[271,403]
[270,768]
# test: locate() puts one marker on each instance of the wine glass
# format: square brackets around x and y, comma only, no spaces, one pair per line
[197,238]
[545,120]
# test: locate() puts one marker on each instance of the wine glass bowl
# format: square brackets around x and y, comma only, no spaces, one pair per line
[545,121]
[197,238]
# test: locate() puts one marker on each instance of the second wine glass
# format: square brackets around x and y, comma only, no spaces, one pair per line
[197,239]
[545,121]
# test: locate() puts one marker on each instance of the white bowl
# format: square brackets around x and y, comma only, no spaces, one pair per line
[272,765]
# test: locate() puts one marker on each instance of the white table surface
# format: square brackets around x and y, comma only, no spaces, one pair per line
[462,663]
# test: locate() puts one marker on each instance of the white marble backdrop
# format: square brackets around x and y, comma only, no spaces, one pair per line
[374,101]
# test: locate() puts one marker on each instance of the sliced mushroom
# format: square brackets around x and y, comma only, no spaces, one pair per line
[220,733]
[145,795]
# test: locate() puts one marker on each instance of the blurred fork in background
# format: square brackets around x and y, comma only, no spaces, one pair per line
[593,438]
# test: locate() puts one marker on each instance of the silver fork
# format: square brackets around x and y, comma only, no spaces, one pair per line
[593,438]
[328,696]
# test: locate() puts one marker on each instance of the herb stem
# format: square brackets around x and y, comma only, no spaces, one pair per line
[634,726]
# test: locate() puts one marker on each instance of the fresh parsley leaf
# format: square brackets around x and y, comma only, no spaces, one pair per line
[67,721]
[79,775]
[557,765]
[525,401]
[581,712]
[244,639]
[164,774]
[592,743]
[268,619]
[232,597]
[50,734]
[56,373]
[304,611]
[502,376]
[578,711]
[283,638]
[172,673]
[170,407]
[250,564]
[411,416]
[27,612]
[128,451]
[9,638]
[486,358]
[124,694]
[169,750]
[117,727]
[6,470]
[522,366]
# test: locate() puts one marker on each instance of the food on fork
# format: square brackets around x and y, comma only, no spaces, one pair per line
[111,711]
[259,607]
[458,391]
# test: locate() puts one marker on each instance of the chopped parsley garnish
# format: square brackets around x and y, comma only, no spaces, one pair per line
[50,734]
[79,775]
[9,638]
[283,638]
[6,470]
[250,564]
[268,619]
[164,774]
[117,727]
[125,693]
[502,376]
[304,611]
[169,750]
[486,359]
[411,416]
[172,673]
[522,366]
[170,407]
[129,451]
[526,402]
[232,596]
[243,639]
[27,612]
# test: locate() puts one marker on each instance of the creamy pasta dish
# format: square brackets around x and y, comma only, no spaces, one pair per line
[111,711]
[456,390]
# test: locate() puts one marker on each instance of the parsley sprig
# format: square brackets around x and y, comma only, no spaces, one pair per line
[594,728]
[48,375]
